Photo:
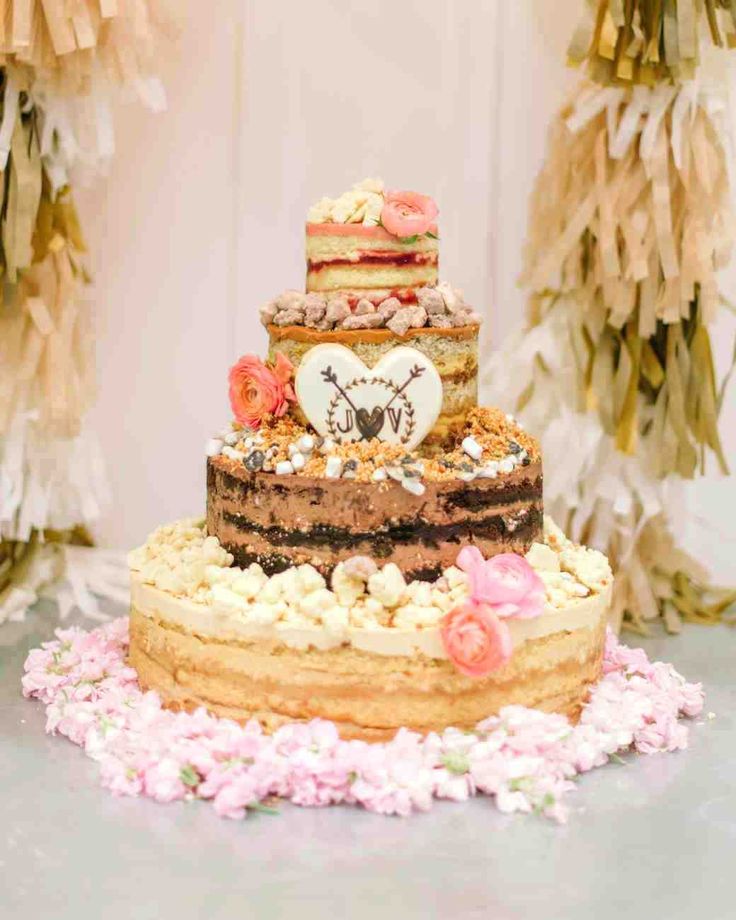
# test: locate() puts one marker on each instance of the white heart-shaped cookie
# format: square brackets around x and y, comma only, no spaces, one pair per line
[397,401]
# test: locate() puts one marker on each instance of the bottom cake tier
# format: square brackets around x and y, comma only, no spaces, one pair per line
[367,653]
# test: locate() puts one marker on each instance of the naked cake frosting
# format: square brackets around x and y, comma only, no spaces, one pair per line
[364,649]
[387,503]
[374,550]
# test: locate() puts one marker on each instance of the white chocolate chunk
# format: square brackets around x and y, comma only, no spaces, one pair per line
[472,448]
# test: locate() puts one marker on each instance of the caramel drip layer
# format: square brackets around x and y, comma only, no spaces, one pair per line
[367,336]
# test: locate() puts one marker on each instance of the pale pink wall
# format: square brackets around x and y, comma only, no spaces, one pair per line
[271,105]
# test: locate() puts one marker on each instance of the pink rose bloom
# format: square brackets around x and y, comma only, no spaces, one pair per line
[408,213]
[507,583]
[257,391]
[475,640]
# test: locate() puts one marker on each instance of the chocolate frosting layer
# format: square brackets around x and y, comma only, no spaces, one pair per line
[279,521]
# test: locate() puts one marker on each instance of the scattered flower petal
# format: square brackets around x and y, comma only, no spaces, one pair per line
[524,758]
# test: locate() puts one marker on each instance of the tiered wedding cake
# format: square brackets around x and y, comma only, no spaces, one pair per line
[374,551]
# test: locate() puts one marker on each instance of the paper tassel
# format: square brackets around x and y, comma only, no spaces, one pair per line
[46,347]
[61,64]
[599,495]
[630,220]
[63,570]
[650,41]
[65,42]
[48,482]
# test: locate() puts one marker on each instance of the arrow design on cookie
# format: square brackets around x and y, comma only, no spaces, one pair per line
[397,400]
[370,423]
[415,372]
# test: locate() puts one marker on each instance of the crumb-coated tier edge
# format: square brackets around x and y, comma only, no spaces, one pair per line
[288,520]
[368,696]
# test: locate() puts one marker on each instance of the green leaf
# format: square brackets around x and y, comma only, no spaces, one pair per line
[432,236]
[263,809]
[455,762]
[408,239]
[521,784]
[105,724]
[548,800]
[189,776]
[237,761]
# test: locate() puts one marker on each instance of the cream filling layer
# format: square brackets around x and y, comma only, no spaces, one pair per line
[221,622]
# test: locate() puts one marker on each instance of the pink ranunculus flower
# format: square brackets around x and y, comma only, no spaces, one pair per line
[475,640]
[257,390]
[507,583]
[408,213]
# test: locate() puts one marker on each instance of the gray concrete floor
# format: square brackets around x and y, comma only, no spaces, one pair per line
[654,838]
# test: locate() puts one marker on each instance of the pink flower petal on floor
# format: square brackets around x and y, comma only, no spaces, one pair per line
[523,758]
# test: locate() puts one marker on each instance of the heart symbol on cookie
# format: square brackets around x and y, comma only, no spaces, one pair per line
[398,400]
[370,423]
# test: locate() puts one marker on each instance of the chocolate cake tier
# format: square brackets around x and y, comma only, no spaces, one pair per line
[279,521]
[454,352]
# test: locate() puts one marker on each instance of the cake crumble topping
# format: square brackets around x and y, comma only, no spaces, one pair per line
[492,444]
[437,307]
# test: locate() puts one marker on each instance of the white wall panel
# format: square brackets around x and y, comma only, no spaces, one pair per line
[401,90]
[159,229]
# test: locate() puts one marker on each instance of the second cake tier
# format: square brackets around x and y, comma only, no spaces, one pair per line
[454,352]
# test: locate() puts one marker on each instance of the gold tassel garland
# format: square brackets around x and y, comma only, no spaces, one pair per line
[45,332]
[65,42]
[637,262]
[630,221]
[649,41]
[656,578]
[59,63]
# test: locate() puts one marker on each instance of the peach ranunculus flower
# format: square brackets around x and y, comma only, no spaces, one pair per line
[475,640]
[506,583]
[257,390]
[408,213]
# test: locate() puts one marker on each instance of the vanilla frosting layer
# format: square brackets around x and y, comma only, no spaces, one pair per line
[217,621]
[366,653]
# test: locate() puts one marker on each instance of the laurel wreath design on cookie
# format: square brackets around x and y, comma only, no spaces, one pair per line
[365,421]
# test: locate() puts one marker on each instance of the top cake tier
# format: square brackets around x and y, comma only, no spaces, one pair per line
[372,263]
[372,244]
